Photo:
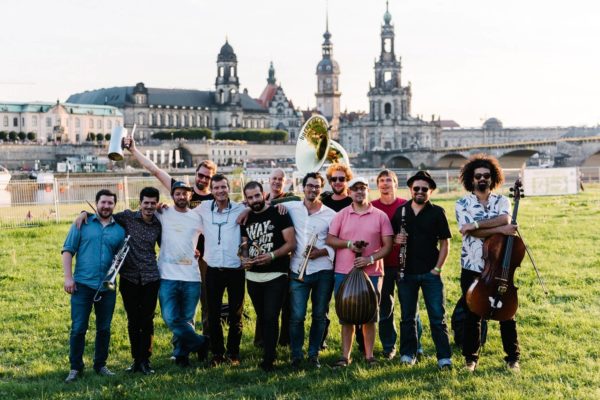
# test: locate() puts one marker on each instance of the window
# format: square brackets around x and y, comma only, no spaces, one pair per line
[231,71]
[77,123]
[160,119]
[5,123]
[91,124]
[184,121]
[141,119]
[169,120]
[221,70]
[34,120]
[16,121]
[387,109]
[109,124]
[176,120]
[387,76]
[49,122]
[387,45]
[152,119]
[99,124]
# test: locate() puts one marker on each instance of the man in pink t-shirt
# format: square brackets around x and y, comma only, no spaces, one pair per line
[359,222]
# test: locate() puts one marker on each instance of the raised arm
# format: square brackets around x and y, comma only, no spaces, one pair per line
[162,175]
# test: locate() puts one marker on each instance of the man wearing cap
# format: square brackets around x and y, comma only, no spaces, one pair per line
[427,239]
[180,276]
[360,222]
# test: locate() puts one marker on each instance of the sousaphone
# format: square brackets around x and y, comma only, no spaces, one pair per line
[315,147]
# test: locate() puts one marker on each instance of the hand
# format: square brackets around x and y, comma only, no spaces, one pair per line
[358,246]
[281,209]
[129,143]
[247,263]
[466,228]
[70,286]
[196,254]
[81,219]
[400,239]
[361,262]
[243,217]
[509,230]
[315,253]
[434,272]
[262,259]
[160,207]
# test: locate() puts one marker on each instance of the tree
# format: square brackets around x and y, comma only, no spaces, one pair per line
[189,134]
[12,135]
[100,137]
[21,135]
[91,137]
[31,136]
[254,135]
[3,135]
[107,137]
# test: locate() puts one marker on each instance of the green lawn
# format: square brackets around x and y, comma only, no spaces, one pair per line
[559,334]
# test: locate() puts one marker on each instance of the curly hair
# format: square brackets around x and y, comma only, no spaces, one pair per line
[338,167]
[482,160]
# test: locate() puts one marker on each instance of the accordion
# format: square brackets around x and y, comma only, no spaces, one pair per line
[356,299]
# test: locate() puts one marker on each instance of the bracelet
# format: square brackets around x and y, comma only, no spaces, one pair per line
[476,224]
[272,256]
[349,244]
[438,270]
[372,260]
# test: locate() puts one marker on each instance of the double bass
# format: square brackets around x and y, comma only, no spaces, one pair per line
[494,295]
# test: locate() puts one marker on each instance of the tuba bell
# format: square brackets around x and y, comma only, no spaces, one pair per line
[315,147]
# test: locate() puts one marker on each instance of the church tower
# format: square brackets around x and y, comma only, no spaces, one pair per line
[388,100]
[328,94]
[227,83]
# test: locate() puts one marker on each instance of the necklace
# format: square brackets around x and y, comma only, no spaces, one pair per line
[219,224]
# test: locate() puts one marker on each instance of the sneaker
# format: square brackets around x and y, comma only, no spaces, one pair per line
[513,366]
[233,359]
[135,367]
[104,371]
[146,368]
[407,360]
[389,355]
[444,364]
[217,360]
[182,361]
[420,354]
[470,366]
[73,376]
[314,362]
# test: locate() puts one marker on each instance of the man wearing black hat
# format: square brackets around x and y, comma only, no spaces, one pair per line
[427,239]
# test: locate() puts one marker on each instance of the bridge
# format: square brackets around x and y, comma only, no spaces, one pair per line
[568,151]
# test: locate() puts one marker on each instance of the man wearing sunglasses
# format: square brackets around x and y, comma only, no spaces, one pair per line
[222,237]
[427,239]
[480,214]
[338,176]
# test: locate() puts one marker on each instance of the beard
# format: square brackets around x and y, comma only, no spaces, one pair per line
[181,203]
[105,212]
[257,206]
[338,191]
[482,186]
[419,199]
[201,186]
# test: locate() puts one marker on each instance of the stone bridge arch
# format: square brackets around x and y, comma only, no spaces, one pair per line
[398,162]
[592,160]
[450,160]
[186,156]
[516,158]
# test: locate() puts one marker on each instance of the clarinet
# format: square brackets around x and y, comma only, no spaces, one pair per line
[402,253]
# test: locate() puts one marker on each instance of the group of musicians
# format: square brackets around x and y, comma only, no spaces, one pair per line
[284,250]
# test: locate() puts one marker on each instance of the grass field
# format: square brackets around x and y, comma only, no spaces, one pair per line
[559,334]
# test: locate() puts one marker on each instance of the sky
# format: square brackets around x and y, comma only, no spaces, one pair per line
[528,63]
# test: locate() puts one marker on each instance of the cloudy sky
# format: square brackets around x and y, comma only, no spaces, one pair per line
[528,63]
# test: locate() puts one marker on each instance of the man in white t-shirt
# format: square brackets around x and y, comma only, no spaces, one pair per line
[180,277]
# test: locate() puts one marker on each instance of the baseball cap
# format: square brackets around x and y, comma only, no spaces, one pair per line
[358,179]
[179,185]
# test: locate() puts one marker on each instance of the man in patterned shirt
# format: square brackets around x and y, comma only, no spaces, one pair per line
[480,214]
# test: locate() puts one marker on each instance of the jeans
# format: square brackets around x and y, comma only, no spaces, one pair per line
[217,280]
[267,298]
[140,304]
[178,303]
[472,328]
[388,334]
[433,294]
[318,287]
[82,301]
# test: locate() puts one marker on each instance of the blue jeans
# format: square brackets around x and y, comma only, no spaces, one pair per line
[321,285]
[82,301]
[388,334]
[433,294]
[178,303]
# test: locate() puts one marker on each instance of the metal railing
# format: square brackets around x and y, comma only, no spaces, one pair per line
[28,203]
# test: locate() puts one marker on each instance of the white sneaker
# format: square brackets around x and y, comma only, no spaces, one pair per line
[444,363]
[73,375]
[407,360]
[104,371]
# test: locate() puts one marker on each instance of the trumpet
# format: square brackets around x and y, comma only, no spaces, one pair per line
[305,258]
[111,276]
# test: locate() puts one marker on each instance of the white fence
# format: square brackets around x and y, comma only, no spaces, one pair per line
[28,203]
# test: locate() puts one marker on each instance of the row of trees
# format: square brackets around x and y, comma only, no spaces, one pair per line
[249,135]
[12,135]
[97,137]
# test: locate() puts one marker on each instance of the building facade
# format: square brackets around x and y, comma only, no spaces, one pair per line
[59,122]
[225,108]
[389,123]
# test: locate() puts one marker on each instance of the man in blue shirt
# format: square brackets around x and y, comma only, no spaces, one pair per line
[94,245]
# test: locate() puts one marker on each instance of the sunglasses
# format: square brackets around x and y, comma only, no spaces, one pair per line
[202,176]
[418,189]
[338,179]
[487,175]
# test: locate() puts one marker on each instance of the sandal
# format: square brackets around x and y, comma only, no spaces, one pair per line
[343,362]
[372,362]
